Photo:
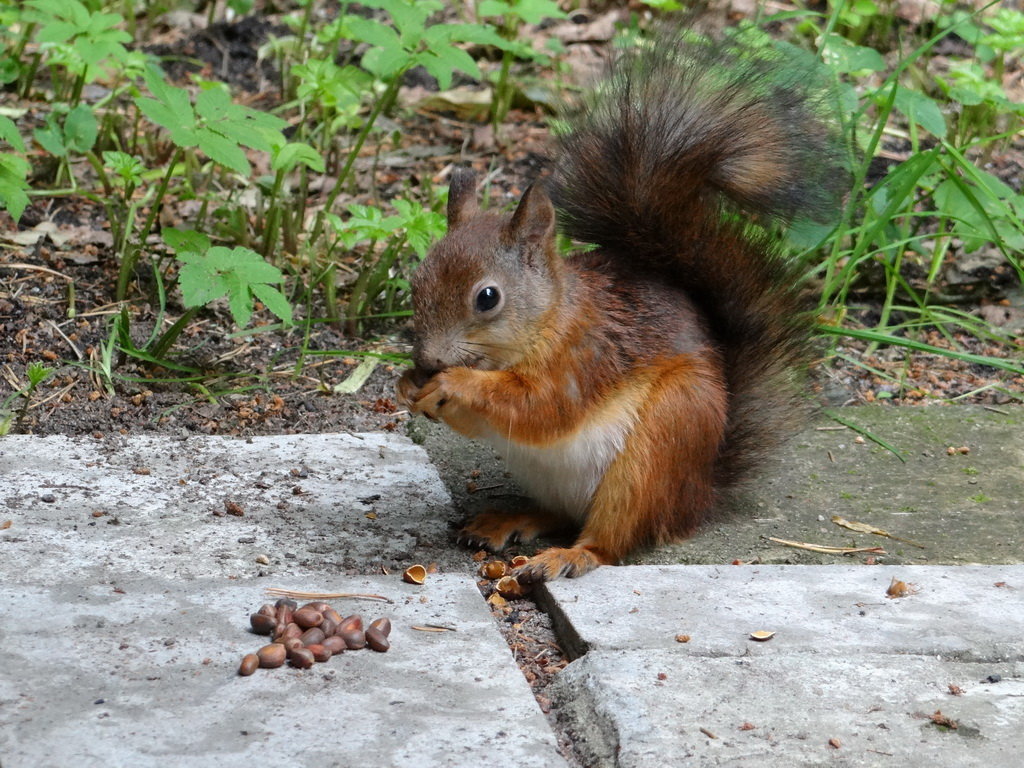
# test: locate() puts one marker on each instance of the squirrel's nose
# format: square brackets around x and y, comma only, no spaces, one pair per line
[427,364]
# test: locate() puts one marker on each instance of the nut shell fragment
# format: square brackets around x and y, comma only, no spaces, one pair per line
[414,574]
[762,635]
[495,569]
[509,587]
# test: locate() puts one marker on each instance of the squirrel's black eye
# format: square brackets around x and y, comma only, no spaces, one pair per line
[488,298]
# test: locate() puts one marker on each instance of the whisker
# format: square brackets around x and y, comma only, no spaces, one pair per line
[488,344]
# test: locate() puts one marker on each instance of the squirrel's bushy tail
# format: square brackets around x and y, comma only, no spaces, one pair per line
[675,164]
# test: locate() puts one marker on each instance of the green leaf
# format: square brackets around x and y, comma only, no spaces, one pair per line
[180,123]
[273,300]
[223,151]
[535,11]
[844,56]
[922,110]
[13,172]
[51,138]
[199,286]
[9,133]
[186,240]
[441,63]
[80,129]
[385,62]
[493,8]
[444,34]
[126,167]
[239,299]
[295,153]
[373,32]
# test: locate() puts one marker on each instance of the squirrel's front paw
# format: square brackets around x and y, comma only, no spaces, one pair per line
[421,392]
[432,397]
[409,386]
[448,396]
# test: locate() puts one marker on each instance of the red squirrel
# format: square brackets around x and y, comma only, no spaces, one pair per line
[628,387]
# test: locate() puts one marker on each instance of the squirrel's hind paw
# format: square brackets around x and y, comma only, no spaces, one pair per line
[560,561]
[496,530]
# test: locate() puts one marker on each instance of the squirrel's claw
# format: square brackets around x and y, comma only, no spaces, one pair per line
[475,542]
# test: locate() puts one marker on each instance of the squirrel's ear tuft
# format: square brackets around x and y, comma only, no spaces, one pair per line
[462,202]
[533,223]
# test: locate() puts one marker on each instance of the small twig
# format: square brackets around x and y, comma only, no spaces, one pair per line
[36,268]
[995,410]
[486,488]
[76,350]
[708,733]
[59,393]
[280,592]
[867,528]
[827,549]
[432,628]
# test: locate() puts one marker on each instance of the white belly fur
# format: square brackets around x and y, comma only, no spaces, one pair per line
[562,477]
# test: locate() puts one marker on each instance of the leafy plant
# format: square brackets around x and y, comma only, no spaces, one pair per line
[78,38]
[240,275]
[215,125]
[76,135]
[36,373]
[394,50]
[513,14]
[906,222]
[412,226]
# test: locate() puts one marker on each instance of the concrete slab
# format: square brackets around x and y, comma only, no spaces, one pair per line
[956,612]
[156,505]
[647,709]
[147,677]
[846,663]
[125,589]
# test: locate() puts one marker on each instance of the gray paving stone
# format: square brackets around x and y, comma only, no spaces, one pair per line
[878,708]
[956,612]
[122,633]
[846,663]
[146,676]
[354,502]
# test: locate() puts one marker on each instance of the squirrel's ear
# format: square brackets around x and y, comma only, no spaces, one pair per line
[462,201]
[533,223]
